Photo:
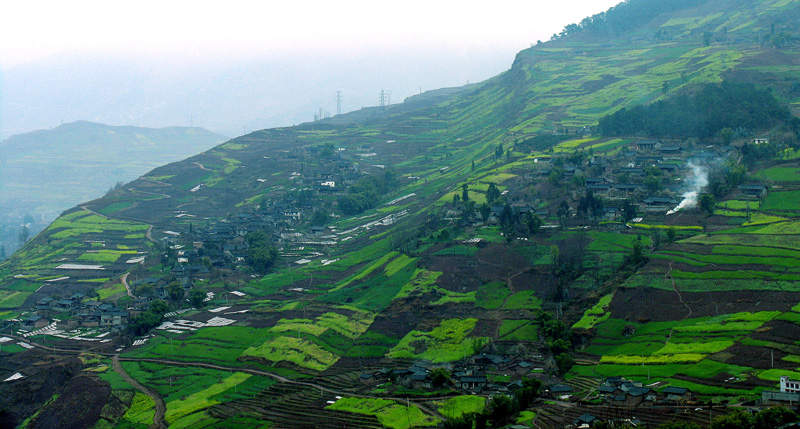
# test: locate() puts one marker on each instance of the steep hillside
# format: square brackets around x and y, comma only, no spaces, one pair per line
[488,232]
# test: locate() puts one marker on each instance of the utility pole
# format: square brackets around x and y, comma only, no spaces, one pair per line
[383,101]
[338,102]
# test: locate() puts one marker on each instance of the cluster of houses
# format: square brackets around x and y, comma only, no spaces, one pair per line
[474,375]
[620,392]
[75,312]
[623,175]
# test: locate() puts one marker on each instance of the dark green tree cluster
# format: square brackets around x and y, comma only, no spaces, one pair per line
[703,113]
[500,410]
[492,194]
[591,205]
[262,253]
[559,340]
[148,320]
[637,256]
[514,223]
[366,192]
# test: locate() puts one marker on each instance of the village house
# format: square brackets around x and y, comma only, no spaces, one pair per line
[753,190]
[658,203]
[470,382]
[585,421]
[668,168]
[646,144]
[559,391]
[34,322]
[676,394]
[670,150]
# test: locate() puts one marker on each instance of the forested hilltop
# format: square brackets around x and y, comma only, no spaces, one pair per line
[609,229]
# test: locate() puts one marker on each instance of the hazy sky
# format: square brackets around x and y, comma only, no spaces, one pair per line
[34,29]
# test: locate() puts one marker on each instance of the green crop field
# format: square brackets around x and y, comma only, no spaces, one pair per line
[780,174]
[389,413]
[460,405]
[447,342]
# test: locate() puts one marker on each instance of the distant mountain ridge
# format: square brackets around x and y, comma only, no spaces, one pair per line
[47,171]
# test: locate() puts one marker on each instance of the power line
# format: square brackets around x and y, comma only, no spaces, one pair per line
[338,102]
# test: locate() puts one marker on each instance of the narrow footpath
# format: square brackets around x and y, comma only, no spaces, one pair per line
[158,417]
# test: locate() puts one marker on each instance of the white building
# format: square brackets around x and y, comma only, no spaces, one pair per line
[789,386]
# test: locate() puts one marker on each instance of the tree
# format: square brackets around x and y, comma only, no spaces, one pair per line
[500,409]
[145,289]
[464,193]
[175,291]
[656,239]
[652,183]
[159,306]
[485,211]
[320,217]
[559,346]
[555,256]
[262,253]
[707,203]
[774,417]
[24,234]
[726,134]
[478,343]
[533,222]
[196,297]
[735,420]
[439,377]
[671,233]
[564,363]
[628,211]
[492,194]
[637,256]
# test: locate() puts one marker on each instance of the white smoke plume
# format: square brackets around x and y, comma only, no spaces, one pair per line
[697,181]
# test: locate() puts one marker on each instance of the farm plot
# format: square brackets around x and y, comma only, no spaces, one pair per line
[459,405]
[780,174]
[598,313]
[189,392]
[445,343]
[687,348]
[781,201]
[389,413]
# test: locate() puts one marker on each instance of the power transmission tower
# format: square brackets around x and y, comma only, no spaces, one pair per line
[386,98]
[338,102]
